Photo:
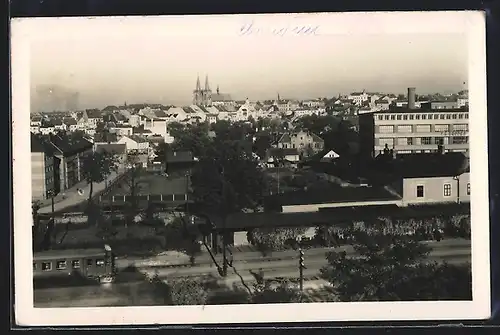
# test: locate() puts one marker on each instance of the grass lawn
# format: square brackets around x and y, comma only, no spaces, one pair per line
[154,184]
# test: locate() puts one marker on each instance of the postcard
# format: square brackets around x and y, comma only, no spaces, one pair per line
[225,169]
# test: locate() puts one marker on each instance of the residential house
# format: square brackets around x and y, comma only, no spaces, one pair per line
[382,104]
[118,149]
[358,97]
[36,120]
[43,173]
[121,130]
[135,143]
[134,120]
[94,117]
[176,114]
[58,124]
[282,157]
[47,129]
[156,126]
[70,151]
[70,124]
[444,105]
[316,103]
[433,178]
[305,142]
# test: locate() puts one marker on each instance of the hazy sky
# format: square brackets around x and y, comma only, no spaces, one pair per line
[157,61]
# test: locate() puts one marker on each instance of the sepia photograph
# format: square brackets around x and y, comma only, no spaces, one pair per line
[270,166]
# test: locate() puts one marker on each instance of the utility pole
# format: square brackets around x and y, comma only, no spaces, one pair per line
[301,269]
[224,255]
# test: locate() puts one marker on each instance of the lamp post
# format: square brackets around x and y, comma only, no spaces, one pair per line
[301,269]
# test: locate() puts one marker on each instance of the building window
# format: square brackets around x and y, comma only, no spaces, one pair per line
[460,127]
[386,141]
[404,129]
[412,117]
[61,265]
[393,117]
[447,190]
[420,191]
[386,129]
[398,117]
[448,116]
[454,116]
[46,266]
[468,188]
[380,117]
[426,140]
[424,116]
[34,266]
[417,117]
[89,262]
[436,116]
[386,117]
[460,116]
[459,140]
[405,117]
[409,141]
[402,141]
[75,264]
[99,262]
[423,128]
[441,116]
[466,116]
[439,140]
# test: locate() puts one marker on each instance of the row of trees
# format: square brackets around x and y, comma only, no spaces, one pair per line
[388,268]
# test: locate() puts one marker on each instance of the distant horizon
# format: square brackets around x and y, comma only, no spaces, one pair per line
[404,92]
[102,62]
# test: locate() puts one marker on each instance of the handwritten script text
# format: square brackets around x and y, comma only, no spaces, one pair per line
[290,30]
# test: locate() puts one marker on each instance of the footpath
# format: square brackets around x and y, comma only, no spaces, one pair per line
[71,197]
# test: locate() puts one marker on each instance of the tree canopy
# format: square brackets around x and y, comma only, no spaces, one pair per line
[394,268]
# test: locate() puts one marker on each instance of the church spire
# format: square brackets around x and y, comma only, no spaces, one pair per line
[198,85]
[207,86]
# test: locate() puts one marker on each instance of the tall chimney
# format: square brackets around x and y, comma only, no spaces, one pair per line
[411,97]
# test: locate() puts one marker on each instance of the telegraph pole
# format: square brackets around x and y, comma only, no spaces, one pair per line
[301,269]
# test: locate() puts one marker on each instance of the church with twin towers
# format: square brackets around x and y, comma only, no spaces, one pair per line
[202,96]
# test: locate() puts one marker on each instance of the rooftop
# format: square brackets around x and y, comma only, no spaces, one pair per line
[114,148]
[69,144]
[179,157]
[330,194]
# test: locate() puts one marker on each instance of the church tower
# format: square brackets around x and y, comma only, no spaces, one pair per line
[198,93]
[207,93]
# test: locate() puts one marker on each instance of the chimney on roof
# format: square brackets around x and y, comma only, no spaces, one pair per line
[411,97]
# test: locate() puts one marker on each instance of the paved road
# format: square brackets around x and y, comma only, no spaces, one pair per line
[288,267]
[72,198]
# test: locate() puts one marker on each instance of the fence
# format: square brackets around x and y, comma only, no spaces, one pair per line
[147,197]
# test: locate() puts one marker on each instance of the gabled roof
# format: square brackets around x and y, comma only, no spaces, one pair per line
[285,138]
[188,110]
[138,139]
[160,113]
[69,121]
[69,145]
[431,165]
[140,130]
[112,148]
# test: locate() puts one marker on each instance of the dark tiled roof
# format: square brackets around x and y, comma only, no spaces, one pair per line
[69,145]
[431,165]
[113,148]
[141,130]
[285,138]
[179,157]
[331,194]
[188,110]
[69,121]
[316,138]
[272,152]
[119,117]
[94,113]
[39,145]
[138,139]
[160,113]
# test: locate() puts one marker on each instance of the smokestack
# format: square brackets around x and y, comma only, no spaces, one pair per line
[411,97]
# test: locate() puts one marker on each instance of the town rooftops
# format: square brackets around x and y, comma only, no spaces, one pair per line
[138,139]
[39,145]
[112,148]
[94,113]
[140,130]
[69,121]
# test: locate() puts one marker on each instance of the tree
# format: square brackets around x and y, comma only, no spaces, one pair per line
[193,138]
[400,263]
[134,184]
[275,239]
[283,292]
[97,166]
[181,291]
